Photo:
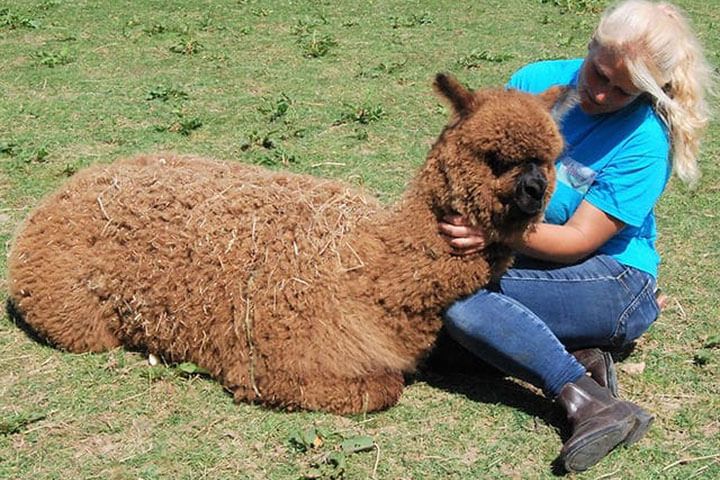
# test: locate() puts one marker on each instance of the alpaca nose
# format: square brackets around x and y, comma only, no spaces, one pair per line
[530,189]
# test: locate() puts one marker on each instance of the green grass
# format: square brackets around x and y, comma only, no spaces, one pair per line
[337,89]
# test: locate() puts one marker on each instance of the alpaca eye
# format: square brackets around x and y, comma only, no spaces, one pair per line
[497,164]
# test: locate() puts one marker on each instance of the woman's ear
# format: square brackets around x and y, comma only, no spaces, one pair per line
[461,99]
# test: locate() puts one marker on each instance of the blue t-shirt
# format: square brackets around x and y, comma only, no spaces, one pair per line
[619,162]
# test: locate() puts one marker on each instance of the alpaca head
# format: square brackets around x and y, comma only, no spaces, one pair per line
[496,156]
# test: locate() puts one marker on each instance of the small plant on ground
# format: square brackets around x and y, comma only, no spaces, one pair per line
[183,125]
[276,109]
[317,44]
[187,46]
[477,58]
[577,6]
[273,153]
[307,25]
[52,59]
[7,148]
[17,423]
[381,69]
[327,452]
[413,20]
[313,43]
[48,5]
[362,114]
[40,155]
[156,29]
[165,93]
[13,21]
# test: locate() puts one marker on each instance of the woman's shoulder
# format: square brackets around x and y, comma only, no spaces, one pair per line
[644,124]
[538,76]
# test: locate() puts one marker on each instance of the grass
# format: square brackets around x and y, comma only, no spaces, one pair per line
[337,89]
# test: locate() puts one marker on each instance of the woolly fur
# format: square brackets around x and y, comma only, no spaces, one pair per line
[293,291]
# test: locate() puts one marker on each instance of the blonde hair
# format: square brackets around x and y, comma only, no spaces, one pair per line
[666,61]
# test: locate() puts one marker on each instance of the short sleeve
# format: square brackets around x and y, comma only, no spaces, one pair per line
[630,185]
[537,77]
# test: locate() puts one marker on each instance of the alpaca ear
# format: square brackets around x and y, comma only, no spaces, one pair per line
[552,96]
[558,100]
[461,99]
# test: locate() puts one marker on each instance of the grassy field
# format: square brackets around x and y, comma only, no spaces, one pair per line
[338,89]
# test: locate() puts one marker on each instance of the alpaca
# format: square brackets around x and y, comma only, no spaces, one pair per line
[293,291]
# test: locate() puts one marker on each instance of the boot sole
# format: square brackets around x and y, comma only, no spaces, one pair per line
[581,456]
[642,424]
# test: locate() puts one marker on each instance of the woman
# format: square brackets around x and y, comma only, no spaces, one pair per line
[586,278]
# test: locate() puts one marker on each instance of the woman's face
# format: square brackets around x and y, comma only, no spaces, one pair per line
[604,84]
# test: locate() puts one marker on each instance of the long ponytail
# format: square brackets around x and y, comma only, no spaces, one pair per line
[665,60]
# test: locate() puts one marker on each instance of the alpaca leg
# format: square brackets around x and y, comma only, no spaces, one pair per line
[342,395]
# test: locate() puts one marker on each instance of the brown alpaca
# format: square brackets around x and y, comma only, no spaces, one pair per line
[292,291]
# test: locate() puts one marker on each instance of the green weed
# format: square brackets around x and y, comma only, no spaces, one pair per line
[7,148]
[165,93]
[14,21]
[17,423]
[257,139]
[156,29]
[382,69]
[277,108]
[577,6]
[182,124]
[329,451]
[260,12]
[317,45]
[187,46]
[53,59]
[314,44]
[46,5]
[477,58]
[411,21]
[40,155]
[271,152]
[308,25]
[362,114]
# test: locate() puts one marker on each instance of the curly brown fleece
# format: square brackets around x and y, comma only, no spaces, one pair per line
[293,291]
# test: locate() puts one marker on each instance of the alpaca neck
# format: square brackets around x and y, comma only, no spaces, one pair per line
[415,272]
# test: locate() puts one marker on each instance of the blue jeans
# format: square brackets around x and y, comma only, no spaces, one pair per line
[526,323]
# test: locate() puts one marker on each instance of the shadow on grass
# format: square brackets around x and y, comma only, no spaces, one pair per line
[17,318]
[452,368]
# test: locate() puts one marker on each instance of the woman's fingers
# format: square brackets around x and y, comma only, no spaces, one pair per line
[462,238]
[455,231]
[460,230]
[465,245]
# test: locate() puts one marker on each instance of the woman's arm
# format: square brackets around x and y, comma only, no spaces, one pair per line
[586,231]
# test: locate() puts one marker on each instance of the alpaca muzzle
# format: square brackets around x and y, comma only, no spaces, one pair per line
[530,190]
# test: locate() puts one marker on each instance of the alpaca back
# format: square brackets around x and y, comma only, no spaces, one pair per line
[217,263]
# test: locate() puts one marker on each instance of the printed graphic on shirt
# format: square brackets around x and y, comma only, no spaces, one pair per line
[575,175]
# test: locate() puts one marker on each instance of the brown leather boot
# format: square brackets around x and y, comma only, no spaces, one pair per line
[599,421]
[601,367]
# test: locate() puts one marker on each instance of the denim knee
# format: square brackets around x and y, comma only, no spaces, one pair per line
[460,315]
[455,319]
[639,314]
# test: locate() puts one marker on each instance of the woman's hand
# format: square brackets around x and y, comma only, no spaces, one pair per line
[462,238]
